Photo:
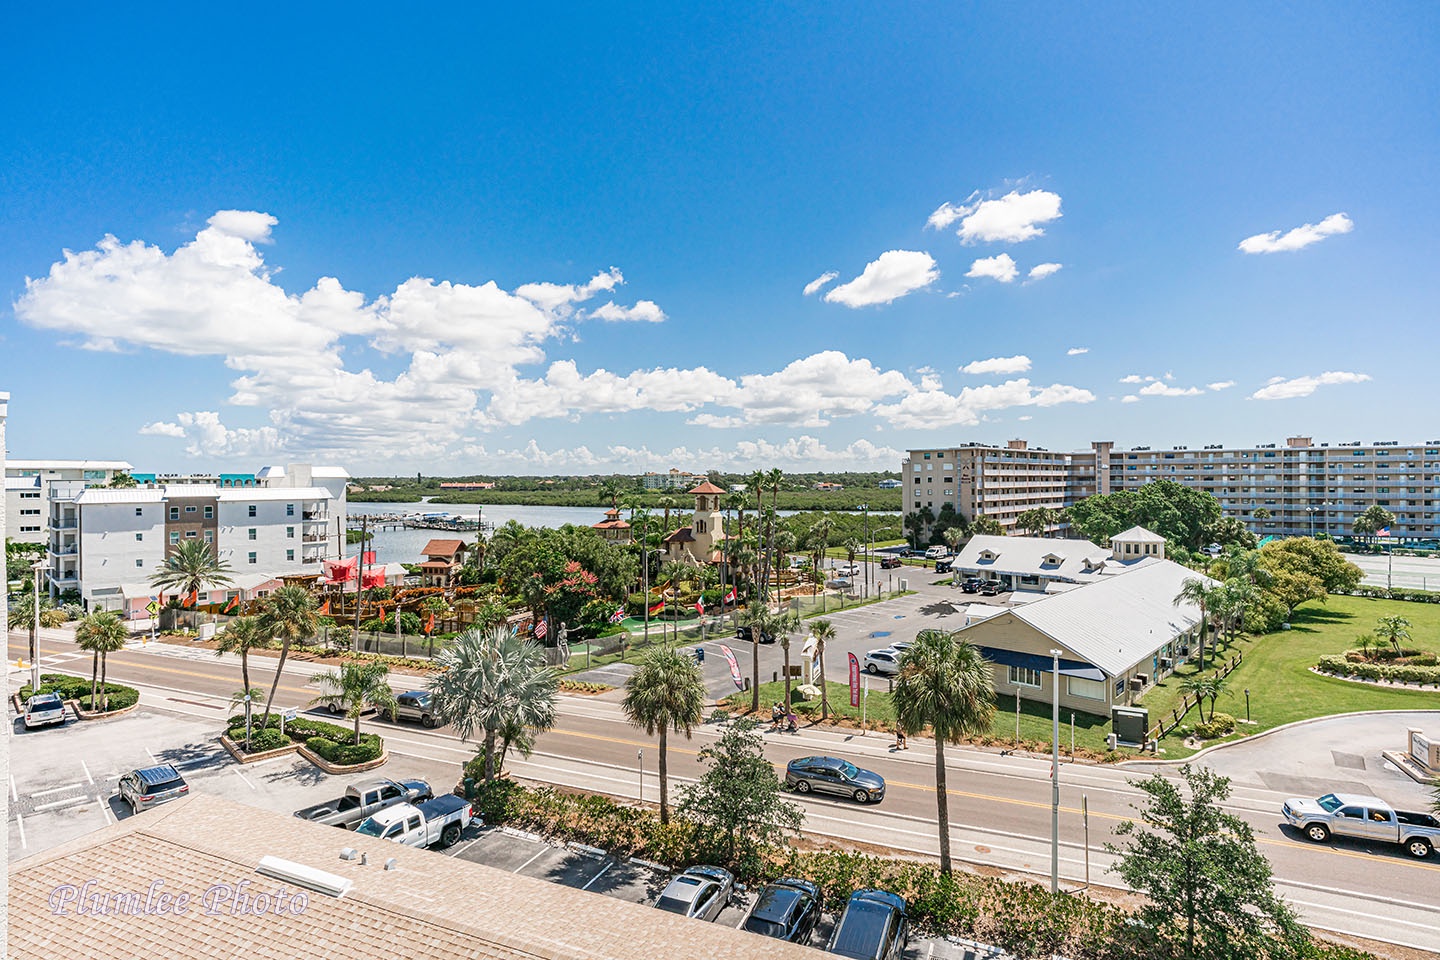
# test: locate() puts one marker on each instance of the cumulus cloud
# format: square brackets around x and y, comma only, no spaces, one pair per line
[558,296]
[1130,398]
[811,390]
[162,429]
[1158,389]
[644,310]
[1279,388]
[1012,218]
[814,285]
[744,456]
[1000,267]
[1298,238]
[1076,351]
[1042,270]
[1016,364]
[892,275]
[1221,385]
[935,408]
[209,437]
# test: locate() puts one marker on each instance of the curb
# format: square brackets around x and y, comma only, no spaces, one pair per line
[242,757]
[329,767]
[90,715]
[1265,733]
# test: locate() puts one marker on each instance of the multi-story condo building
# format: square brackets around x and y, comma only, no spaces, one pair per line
[105,543]
[672,480]
[27,490]
[1302,487]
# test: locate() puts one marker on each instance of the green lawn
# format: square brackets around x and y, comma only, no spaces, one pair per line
[1276,668]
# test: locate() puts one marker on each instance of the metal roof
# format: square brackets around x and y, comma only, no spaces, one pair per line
[1025,556]
[120,495]
[246,494]
[1138,535]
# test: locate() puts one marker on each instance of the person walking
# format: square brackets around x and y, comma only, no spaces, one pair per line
[900,738]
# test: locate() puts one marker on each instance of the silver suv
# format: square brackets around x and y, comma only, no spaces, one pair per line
[151,786]
[416,705]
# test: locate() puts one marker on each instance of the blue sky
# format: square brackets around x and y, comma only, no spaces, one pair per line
[578,240]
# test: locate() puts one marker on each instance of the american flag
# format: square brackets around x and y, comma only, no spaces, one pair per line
[540,630]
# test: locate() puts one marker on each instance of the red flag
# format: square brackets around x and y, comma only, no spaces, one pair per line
[368,558]
[231,605]
[325,608]
[194,598]
[657,608]
[430,624]
[540,630]
[729,597]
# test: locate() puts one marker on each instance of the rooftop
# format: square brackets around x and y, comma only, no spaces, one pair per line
[1028,556]
[67,465]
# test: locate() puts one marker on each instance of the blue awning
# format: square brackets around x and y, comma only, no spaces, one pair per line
[1033,661]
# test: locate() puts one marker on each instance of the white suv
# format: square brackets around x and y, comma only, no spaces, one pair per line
[885,660]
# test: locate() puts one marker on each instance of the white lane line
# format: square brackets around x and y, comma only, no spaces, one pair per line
[14,794]
[104,810]
[460,850]
[597,876]
[242,776]
[1367,914]
[152,757]
[538,855]
[60,803]
[20,823]
[88,779]
[46,793]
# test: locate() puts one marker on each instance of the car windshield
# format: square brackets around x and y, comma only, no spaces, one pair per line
[1330,803]
[165,787]
[848,770]
[672,905]
[370,828]
[766,928]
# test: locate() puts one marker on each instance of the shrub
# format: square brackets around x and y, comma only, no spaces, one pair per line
[1341,666]
[260,740]
[1218,727]
[583,686]
[346,754]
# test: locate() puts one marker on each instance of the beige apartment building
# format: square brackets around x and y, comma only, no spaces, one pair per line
[1304,487]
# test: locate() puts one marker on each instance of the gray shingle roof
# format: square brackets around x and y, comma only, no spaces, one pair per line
[1026,555]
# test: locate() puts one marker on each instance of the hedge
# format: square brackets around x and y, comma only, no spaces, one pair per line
[116,697]
[333,743]
[1222,724]
[1341,666]
[1394,593]
[346,753]
[78,688]
[261,740]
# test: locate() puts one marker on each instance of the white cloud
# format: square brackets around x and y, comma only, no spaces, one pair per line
[814,285]
[1130,398]
[1158,389]
[1016,364]
[745,455]
[892,275]
[1279,388]
[934,408]
[209,437]
[1011,219]
[162,429]
[1298,238]
[644,310]
[245,224]
[1042,270]
[716,422]
[808,391]
[1221,385]
[1076,351]
[1000,267]
[558,296]
[1025,418]
[1136,378]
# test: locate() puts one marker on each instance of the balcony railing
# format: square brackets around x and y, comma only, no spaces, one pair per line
[317,515]
[64,524]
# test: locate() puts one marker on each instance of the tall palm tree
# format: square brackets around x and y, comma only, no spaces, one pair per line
[1393,630]
[823,631]
[355,687]
[189,567]
[1202,594]
[241,635]
[914,525]
[99,634]
[945,684]
[665,693]
[785,624]
[496,684]
[610,491]
[756,482]
[666,503]
[762,621]
[987,526]
[954,537]
[289,615]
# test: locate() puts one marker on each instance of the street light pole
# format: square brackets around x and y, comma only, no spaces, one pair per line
[640,762]
[866,508]
[35,634]
[1055,774]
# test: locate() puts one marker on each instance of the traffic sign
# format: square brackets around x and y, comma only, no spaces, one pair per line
[152,607]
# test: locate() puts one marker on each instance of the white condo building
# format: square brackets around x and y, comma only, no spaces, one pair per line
[27,490]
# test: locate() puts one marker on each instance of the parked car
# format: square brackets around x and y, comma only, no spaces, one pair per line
[439,821]
[833,775]
[786,909]
[936,553]
[151,786]
[900,646]
[847,570]
[992,588]
[885,660]
[363,799]
[43,709]
[839,583]
[943,566]
[972,584]
[416,705]
[873,927]
[743,635]
[890,561]
[700,892]
[1366,818]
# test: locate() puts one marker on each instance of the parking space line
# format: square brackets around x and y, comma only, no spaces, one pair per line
[104,810]
[604,870]
[208,758]
[527,863]
[152,757]
[20,823]
[14,794]
[460,850]
[88,779]
[46,793]
[236,771]
[60,803]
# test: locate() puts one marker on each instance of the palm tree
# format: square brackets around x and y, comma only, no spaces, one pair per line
[785,624]
[241,635]
[823,631]
[190,567]
[945,684]
[954,537]
[1198,687]
[987,526]
[665,693]
[1373,520]
[1216,686]
[1393,630]
[22,614]
[289,616]
[667,503]
[353,688]
[496,684]
[1200,593]
[610,491]
[99,634]
[852,546]
[762,621]
[756,482]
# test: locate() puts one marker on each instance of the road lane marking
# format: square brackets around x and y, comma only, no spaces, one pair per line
[1428,925]
[45,793]
[236,771]
[14,794]
[20,823]
[152,757]
[60,803]
[88,779]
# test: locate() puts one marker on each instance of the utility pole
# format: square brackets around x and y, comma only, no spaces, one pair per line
[1055,775]
[866,508]
[35,633]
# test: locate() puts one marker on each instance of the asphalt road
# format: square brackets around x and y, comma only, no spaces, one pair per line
[1000,806]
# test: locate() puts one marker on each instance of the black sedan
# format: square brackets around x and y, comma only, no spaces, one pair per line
[786,910]
[831,775]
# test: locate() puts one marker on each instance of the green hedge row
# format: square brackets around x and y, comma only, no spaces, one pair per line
[334,743]
[1394,593]
[344,754]
[1341,666]
[1222,724]
[118,695]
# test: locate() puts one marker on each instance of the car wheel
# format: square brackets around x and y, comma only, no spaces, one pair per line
[427,722]
[334,708]
[870,669]
[1418,847]
[449,835]
[1318,832]
[802,786]
[861,796]
[134,808]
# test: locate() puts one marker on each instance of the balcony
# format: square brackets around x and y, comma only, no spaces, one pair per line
[64,524]
[319,516]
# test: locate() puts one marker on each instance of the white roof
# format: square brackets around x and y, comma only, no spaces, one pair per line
[120,495]
[1138,535]
[246,494]
[67,465]
[1020,556]
[246,581]
[1117,622]
[330,473]
[178,490]
[22,483]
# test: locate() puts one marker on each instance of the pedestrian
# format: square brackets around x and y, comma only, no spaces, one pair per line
[900,738]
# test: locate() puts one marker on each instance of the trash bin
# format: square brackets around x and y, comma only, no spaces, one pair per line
[699,655]
[469,788]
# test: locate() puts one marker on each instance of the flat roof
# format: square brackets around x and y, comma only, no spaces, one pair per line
[67,465]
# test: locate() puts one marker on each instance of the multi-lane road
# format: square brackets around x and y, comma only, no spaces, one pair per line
[999,805]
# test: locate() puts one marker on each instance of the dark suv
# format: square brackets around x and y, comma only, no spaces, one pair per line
[943,566]
[890,561]
[992,588]
[786,910]
[152,786]
[873,927]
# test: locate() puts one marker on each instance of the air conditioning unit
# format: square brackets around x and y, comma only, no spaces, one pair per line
[1138,681]
[1166,663]
[1185,651]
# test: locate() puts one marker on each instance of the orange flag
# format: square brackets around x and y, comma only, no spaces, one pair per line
[325,608]
[430,624]
[193,598]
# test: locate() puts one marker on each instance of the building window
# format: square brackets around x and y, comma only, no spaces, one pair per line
[189,534]
[139,563]
[190,509]
[209,536]
[1024,677]
[289,509]
[175,538]
[289,554]
[250,534]
[139,511]
[290,533]
[252,510]
[251,557]
[209,513]
[1086,689]
[174,513]
[139,536]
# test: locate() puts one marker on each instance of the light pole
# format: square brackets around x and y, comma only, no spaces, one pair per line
[640,762]
[1055,774]
[865,507]
[35,633]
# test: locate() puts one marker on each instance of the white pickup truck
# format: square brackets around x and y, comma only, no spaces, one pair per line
[1364,818]
[439,821]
